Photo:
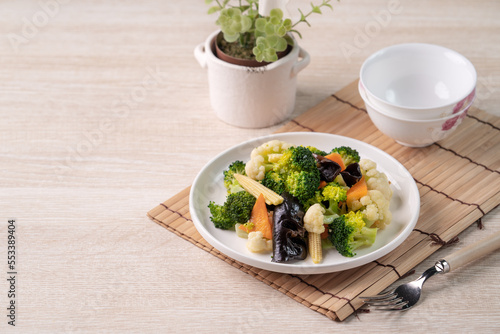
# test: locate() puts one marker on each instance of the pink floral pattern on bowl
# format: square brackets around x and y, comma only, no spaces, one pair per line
[449,124]
[458,107]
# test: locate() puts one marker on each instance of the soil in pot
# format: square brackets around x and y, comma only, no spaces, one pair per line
[234,53]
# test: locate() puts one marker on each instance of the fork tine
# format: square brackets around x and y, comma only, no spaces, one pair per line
[382,296]
[396,307]
[388,302]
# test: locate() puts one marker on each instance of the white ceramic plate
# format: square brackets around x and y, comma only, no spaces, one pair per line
[208,186]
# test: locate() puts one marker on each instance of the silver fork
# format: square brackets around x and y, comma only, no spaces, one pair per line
[407,295]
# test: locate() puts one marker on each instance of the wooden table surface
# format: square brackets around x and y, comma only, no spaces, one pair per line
[105,113]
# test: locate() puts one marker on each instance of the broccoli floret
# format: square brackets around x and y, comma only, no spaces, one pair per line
[236,209]
[232,185]
[348,154]
[329,196]
[274,181]
[316,198]
[334,194]
[316,150]
[295,159]
[302,184]
[348,233]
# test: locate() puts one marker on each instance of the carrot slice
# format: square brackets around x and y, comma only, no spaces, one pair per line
[324,235]
[245,228]
[335,157]
[322,184]
[358,190]
[260,219]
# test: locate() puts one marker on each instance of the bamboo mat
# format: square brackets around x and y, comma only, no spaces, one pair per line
[458,180]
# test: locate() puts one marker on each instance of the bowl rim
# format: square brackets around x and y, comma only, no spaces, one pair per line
[362,93]
[427,45]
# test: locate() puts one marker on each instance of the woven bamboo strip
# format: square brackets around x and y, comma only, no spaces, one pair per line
[357,288]
[426,246]
[446,171]
[421,251]
[437,220]
[300,288]
[474,175]
[318,123]
[485,136]
[343,293]
[178,224]
[485,117]
[491,203]
[335,283]
[474,130]
[156,211]
[464,188]
[181,205]
[290,283]
[179,196]
[172,213]
[168,217]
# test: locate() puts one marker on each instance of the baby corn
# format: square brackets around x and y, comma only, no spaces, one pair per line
[255,188]
[315,249]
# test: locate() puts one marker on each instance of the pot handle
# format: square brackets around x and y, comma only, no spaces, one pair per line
[301,64]
[199,54]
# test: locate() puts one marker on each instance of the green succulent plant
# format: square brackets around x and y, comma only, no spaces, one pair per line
[264,35]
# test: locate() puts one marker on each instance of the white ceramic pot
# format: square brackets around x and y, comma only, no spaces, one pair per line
[252,97]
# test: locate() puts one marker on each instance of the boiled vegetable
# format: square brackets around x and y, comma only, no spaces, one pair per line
[357,191]
[328,169]
[259,219]
[315,248]
[351,174]
[255,188]
[336,157]
[289,242]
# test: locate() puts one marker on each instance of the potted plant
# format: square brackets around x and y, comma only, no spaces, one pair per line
[253,61]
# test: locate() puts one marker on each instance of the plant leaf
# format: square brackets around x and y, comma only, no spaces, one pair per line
[276,13]
[269,28]
[213,9]
[272,40]
[231,38]
[262,43]
[281,31]
[315,9]
[260,24]
[281,45]
[246,23]
[287,24]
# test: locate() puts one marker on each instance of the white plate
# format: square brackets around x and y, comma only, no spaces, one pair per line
[209,186]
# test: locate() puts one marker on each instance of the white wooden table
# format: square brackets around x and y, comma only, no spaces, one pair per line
[87,148]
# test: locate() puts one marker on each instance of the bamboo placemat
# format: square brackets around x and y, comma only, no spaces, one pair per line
[458,180]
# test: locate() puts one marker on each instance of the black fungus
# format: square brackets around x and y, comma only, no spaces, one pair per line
[351,174]
[289,242]
[328,169]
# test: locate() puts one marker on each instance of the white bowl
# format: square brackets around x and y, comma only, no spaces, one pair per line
[418,81]
[412,133]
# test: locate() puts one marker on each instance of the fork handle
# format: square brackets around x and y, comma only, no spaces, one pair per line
[473,252]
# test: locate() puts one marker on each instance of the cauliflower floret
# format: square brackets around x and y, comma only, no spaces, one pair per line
[263,155]
[375,208]
[258,244]
[313,219]
[375,180]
